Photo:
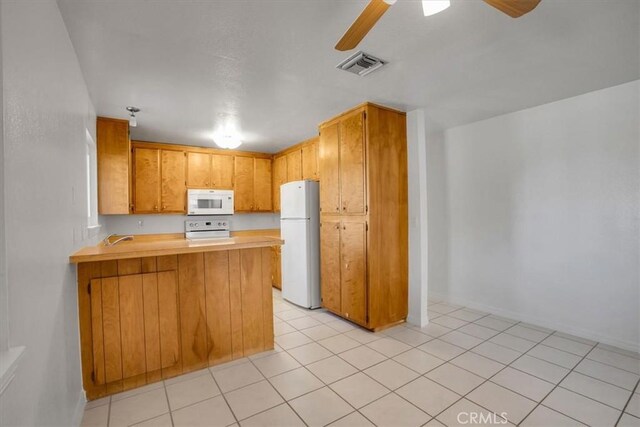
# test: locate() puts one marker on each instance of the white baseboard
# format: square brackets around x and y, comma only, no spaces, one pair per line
[78,413]
[544,322]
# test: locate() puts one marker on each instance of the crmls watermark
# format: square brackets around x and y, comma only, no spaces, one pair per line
[482,418]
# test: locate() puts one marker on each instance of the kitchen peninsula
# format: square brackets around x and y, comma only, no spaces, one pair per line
[160,306]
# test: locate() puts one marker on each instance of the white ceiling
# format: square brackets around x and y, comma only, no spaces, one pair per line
[269,65]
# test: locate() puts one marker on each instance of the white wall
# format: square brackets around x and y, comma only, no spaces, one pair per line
[46,113]
[4,317]
[543,215]
[157,224]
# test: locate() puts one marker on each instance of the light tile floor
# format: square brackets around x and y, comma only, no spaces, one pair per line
[326,371]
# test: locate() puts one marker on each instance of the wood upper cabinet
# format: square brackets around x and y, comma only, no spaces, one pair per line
[329,152]
[113,149]
[221,171]
[262,185]
[294,166]
[310,160]
[253,188]
[159,181]
[173,190]
[352,165]
[279,178]
[244,183]
[206,170]
[198,170]
[146,172]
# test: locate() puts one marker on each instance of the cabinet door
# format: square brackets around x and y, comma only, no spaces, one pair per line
[222,171]
[146,180]
[262,185]
[169,324]
[294,166]
[243,183]
[113,153]
[310,160]
[173,184]
[279,178]
[352,164]
[330,265]
[198,170]
[329,170]
[353,250]
[132,325]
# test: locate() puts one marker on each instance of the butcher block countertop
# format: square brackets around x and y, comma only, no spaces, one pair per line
[173,244]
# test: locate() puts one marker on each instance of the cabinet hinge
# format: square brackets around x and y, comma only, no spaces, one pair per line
[93,376]
[89,288]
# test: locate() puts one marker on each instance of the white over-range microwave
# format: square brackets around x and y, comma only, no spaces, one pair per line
[210,202]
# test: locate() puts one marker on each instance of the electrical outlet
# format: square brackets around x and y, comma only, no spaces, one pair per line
[140,223]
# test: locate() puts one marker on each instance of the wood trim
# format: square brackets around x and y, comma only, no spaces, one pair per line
[362,106]
[196,149]
[295,147]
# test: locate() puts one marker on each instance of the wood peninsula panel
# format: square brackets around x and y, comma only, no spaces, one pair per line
[207,308]
[251,288]
[169,324]
[235,298]
[216,280]
[111,330]
[193,323]
[151,326]
[131,305]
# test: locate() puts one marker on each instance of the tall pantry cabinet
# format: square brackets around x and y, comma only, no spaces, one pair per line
[364,215]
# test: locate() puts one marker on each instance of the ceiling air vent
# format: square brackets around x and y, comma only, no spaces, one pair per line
[361,63]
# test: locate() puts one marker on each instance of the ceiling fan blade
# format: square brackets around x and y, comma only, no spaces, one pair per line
[363,24]
[514,8]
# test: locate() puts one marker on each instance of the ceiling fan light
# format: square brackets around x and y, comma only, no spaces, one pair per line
[431,7]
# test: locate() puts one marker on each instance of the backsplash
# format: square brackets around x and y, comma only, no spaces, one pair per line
[158,224]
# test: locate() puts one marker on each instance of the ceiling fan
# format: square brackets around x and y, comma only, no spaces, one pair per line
[376,8]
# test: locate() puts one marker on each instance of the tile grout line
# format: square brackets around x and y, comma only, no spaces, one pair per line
[627,404]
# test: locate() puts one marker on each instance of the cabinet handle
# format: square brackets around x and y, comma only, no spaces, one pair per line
[344,208]
[337,209]
[164,208]
[338,227]
[155,208]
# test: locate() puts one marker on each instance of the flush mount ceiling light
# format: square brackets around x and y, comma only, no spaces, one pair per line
[227,141]
[431,7]
[133,122]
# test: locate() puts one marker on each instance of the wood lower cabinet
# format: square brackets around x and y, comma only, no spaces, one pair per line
[364,217]
[146,319]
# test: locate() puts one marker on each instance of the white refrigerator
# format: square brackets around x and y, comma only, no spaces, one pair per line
[300,230]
